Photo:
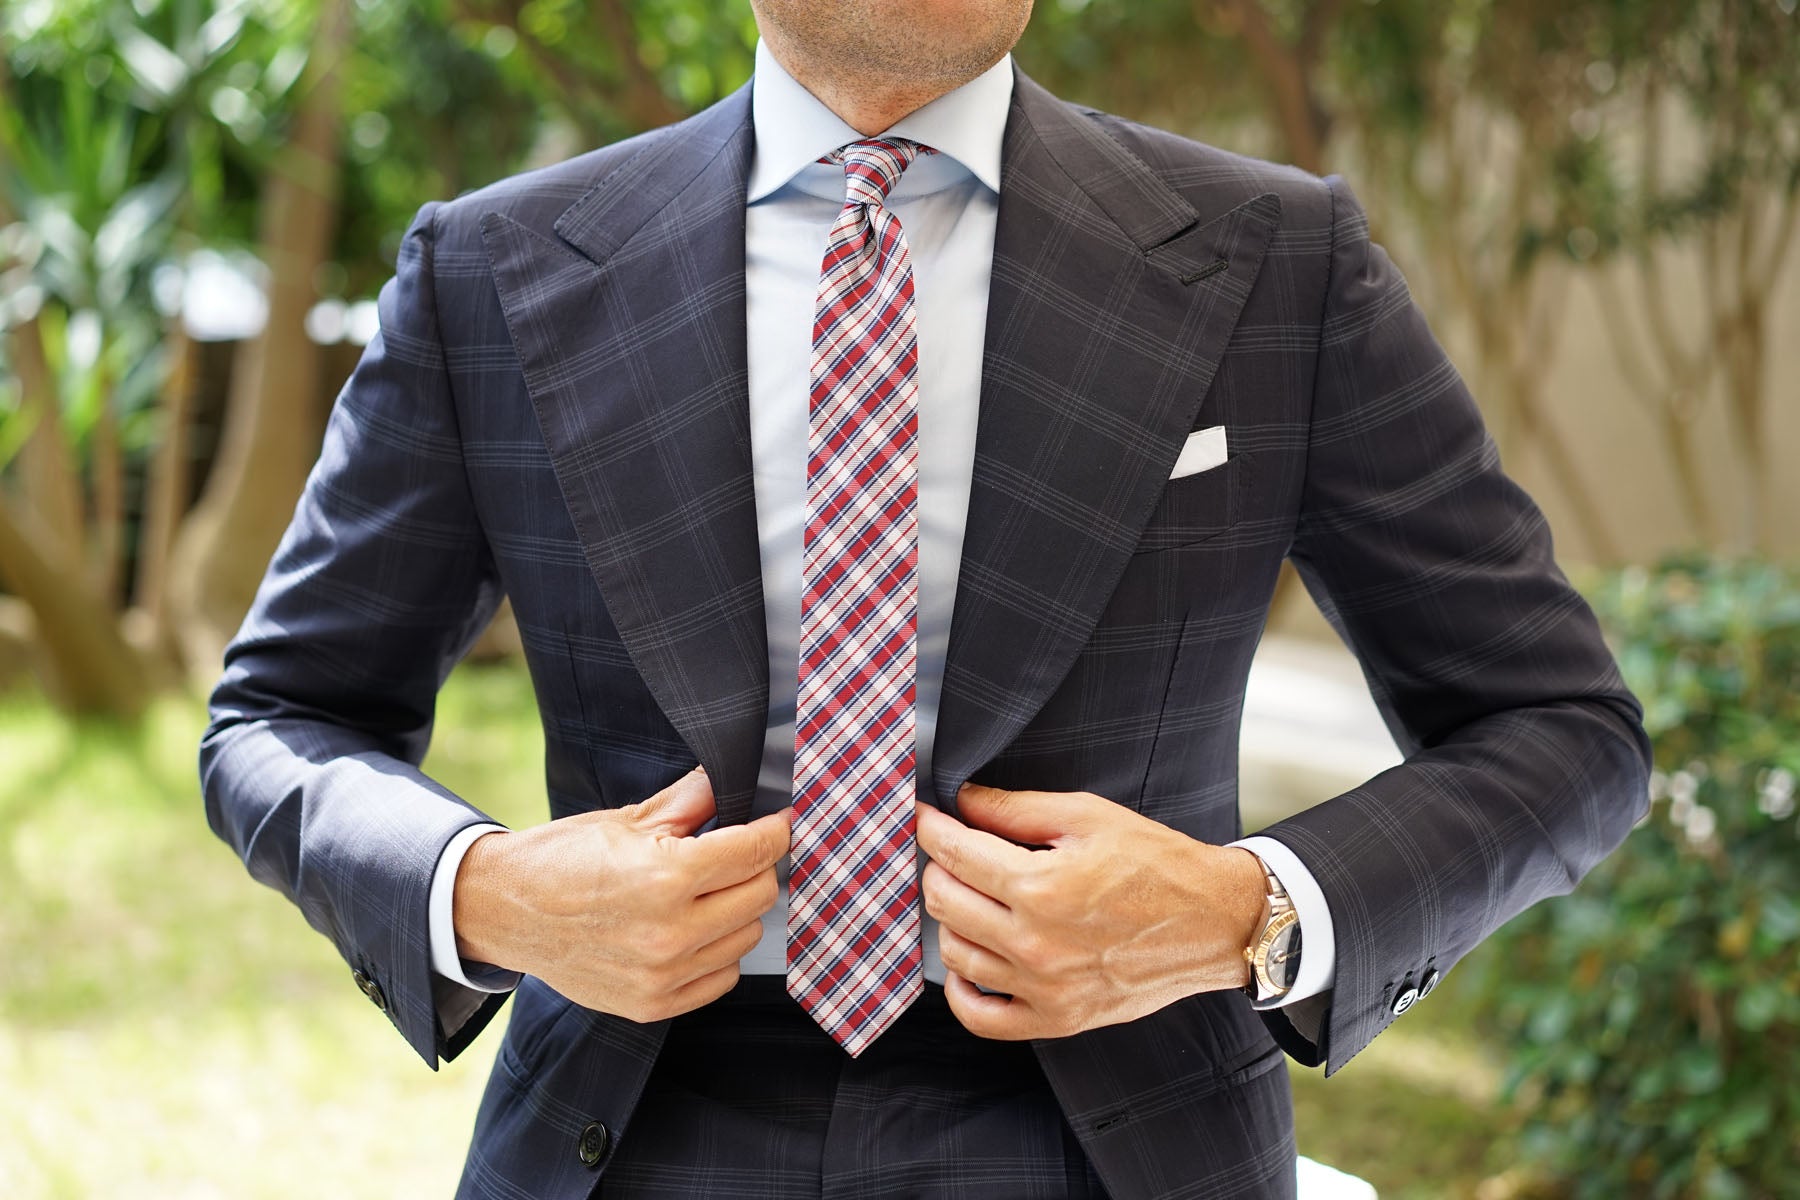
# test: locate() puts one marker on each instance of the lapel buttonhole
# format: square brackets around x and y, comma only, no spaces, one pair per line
[1206,272]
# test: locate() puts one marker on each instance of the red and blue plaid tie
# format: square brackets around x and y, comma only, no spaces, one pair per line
[854,956]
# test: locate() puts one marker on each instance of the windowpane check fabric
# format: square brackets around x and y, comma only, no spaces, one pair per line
[854,952]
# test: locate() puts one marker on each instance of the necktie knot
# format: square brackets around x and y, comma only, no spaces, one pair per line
[874,166]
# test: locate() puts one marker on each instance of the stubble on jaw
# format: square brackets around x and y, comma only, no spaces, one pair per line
[887,57]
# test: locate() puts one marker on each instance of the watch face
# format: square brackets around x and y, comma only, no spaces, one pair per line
[1284,957]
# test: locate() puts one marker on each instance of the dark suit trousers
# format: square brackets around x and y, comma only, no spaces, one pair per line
[750,1098]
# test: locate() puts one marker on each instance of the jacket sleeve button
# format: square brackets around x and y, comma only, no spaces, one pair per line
[595,1140]
[1405,999]
[369,988]
[1426,984]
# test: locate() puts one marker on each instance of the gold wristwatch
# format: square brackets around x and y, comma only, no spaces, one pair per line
[1274,950]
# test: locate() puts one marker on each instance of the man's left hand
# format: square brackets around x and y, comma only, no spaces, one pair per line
[1117,918]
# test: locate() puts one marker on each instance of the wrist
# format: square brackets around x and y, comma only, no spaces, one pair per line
[1273,954]
[477,899]
[1247,909]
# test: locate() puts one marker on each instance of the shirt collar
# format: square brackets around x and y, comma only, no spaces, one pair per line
[793,128]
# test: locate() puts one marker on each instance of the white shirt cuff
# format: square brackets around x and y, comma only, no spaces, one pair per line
[1318,945]
[444,959]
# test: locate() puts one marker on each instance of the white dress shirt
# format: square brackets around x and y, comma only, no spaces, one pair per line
[947,204]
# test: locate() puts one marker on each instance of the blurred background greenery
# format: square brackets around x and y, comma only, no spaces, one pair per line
[1596,201]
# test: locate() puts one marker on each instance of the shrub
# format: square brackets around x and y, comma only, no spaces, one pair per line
[1652,1018]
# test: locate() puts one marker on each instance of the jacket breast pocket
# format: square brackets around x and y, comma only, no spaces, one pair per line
[1198,507]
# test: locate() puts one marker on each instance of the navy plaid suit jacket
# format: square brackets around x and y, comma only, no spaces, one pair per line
[556,410]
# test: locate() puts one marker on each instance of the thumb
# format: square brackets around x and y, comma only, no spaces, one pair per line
[1030,818]
[679,809]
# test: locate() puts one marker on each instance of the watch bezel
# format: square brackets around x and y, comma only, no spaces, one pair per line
[1282,918]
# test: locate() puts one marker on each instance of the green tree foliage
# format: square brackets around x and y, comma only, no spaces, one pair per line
[125,130]
[444,96]
[133,132]
[611,68]
[431,111]
[1655,1013]
[1510,149]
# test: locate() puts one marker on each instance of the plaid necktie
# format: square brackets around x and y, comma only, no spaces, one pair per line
[854,956]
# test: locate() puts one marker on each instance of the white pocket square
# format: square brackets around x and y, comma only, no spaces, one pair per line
[1203,450]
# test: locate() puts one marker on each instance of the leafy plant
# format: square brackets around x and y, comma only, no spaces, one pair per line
[1654,1015]
[131,132]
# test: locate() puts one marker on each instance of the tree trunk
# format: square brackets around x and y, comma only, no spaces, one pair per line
[1287,70]
[271,429]
[18,640]
[1304,126]
[166,492]
[97,671]
[1584,510]
[106,471]
[50,483]
[1746,370]
[642,100]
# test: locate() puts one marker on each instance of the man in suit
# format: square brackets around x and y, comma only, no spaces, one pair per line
[893,423]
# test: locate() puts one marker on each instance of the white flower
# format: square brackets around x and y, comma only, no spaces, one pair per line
[1776,799]
[1680,808]
[1701,823]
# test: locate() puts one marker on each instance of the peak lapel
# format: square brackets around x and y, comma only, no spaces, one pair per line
[634,357]
[1111,304]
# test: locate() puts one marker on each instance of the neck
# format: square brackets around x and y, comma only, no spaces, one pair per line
[867,109]
[869,104]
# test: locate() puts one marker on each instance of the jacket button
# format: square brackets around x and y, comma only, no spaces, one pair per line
[593,1144]
[1405,999]
[369,988]
[1426,984]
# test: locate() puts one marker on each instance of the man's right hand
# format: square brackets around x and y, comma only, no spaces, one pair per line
[624,910]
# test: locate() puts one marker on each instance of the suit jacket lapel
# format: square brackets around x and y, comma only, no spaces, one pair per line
[633,351]
[1111,304]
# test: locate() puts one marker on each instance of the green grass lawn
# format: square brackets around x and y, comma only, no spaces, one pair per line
[169,1028]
